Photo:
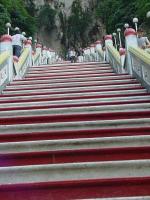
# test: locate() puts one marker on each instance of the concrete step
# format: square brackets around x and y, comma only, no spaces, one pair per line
[70,85]
[75,103]
[73,156]
[68,73]
[69,69]
[82,189]
[72,74]
[80,95]
[75,65]
[74,171]
[66,76]
[78,126]
[75,144]
[74,117]
[73,134]
[74,89]
[79,110]
[70,80]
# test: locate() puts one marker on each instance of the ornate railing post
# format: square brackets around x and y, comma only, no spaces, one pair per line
[92,52]
[130,41]
[122,53]
[99,51]
[108,41]
[6,45]
[29,46]
[39,51]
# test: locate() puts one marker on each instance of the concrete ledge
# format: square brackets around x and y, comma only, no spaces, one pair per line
[74,171]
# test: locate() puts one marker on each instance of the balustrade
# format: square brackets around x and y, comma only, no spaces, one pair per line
[12,67]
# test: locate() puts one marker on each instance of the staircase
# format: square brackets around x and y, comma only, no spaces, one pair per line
[75,131]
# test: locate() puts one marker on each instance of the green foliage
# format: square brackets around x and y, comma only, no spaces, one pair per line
[78,22]
[46,18]
[19,15]
[118,12]
[4,18]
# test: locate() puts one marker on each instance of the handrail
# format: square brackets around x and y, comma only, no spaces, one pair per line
[140,65]
[23,57]
[22,60]
[141,54]
[114,53]
[4,56]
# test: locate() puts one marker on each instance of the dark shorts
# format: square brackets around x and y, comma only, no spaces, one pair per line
[16,50]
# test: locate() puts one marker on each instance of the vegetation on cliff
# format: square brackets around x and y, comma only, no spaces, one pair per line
[116,13]
[16,12]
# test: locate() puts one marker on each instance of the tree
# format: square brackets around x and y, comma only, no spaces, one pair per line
[4,18]
[19,15]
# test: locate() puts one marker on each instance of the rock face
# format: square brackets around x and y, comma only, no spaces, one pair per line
[53,38]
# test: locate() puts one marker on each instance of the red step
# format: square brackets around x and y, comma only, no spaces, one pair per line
[72,156]
[73,134]
[37,99]
[74,117]
[69,80]
[40,106]
[28,87]
[42,92]
[81,189]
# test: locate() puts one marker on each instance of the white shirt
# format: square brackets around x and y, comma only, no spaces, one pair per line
[18,39]
[143,41]
[72,53]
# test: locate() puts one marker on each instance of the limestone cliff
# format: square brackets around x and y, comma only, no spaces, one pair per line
[58,37]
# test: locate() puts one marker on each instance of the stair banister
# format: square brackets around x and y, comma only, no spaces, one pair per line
[44,55]
[112,55]
[92,52]
[130,41]
[38,54]
[140,61]
[24,61]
